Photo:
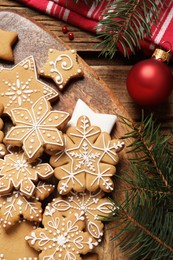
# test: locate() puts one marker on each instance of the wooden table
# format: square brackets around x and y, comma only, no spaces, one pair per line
[113,72]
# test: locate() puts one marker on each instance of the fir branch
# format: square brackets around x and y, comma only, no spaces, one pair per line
[125,23]
[145,217]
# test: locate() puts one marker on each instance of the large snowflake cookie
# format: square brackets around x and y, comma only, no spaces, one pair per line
[88,161]
[37,128]
[62,237]
[13,245]
[17,172]
[20,86]
[61,66]
[93,205]
[15,206]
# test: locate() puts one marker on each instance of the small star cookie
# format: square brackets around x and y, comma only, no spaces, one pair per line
[61,66]
[88,161]
[14,206]
[13,244]
[21,88]
[17,172]
[7,40]
[37,129]
[61,238]
[92,204]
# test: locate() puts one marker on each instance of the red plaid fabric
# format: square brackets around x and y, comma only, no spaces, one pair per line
[87,17]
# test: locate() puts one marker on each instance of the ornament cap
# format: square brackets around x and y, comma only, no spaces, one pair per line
[161,55]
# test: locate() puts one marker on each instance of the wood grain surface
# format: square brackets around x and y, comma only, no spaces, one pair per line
[113,72]
[103,85]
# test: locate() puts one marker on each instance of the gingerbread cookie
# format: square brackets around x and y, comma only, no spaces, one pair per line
[21,88]
[14,205]
[7,40]
[37,129]
[62,237]
[43,190]
[61,66]
[93,206]
[13,245]
[88,161]
[3,149]
[17,172]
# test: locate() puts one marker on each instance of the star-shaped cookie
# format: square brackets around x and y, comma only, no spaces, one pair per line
[7,40]
[89,159]
[37,129]
[19,86]
[61,66]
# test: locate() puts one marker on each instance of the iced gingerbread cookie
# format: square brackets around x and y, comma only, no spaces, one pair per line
[93,205]
[21,88]
[15,206]
[3,149]
[62,237]
[16,172]
[13,245]
[61,66]
[88,161]
[37,128]
[7,40]
[43,190]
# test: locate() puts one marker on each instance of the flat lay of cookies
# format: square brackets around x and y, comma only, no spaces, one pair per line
[86,123]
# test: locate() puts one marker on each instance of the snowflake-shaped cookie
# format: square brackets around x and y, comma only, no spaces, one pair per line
[21,88]
[94,206]
[88,161]
[15,205]
[36,129]
[62,237]
[17,172]
[61,66]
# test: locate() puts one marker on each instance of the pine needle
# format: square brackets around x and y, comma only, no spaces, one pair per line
[145,217]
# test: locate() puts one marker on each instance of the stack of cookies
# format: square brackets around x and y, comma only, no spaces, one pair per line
[52,182]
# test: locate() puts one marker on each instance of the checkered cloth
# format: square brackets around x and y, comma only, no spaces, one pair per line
[88,17]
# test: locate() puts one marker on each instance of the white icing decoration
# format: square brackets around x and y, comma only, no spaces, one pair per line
[65,236]
[93,206]
[15,92]
[36,130]
[59,79]
[81,109]
[86,158]
[15,204]
[16,171]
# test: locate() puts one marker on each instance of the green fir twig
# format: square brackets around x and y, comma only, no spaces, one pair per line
[145,217]
[125,23]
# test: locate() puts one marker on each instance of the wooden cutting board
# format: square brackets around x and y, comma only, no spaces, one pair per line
[35,40]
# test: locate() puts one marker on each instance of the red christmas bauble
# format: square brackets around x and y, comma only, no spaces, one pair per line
[149,82]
